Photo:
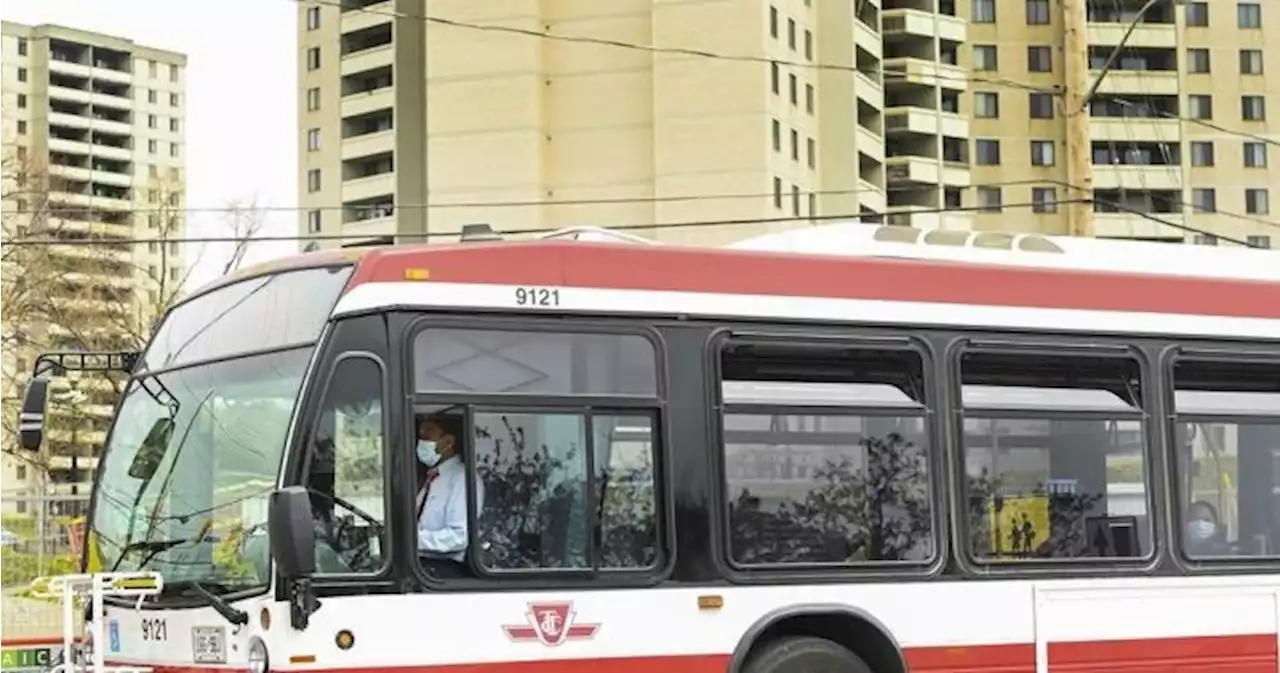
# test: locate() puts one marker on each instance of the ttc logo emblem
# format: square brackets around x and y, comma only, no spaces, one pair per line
[551,624]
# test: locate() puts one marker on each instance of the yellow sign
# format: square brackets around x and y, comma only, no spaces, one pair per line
[1021,525]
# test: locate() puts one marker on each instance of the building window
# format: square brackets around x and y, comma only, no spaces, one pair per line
[813,204]
[153,146]
[313,18]
[1041,152]
[313,58]
[151,121]
[173,73]
[990,199]
[22,74]
[795,201]
[1255,154]
[812,153]
[1200,106]
[1041,105]
[984,11]
[173,100]
[22,127]
[313,99]
[1206,239]
[1201,153]
[777,135]
[808,45]
[773,22]
[986,104]
[313,180]
[153,70]
[22,46]
[1253,108]
[808,98]
[777,193]
[775,78]
[151,96]
[1249,15]
[1204,199]
[313,140]
[173,149]
[1198,60]
[1198,14]
[795,145]
[173,124]
[1259,241]
[795,90]
[1037,12]
[22,101]
[986,152]
[1250,61]
[986,57]
[1256,202]
[313,221]
[1044,200]
[1039,58]
[791,34]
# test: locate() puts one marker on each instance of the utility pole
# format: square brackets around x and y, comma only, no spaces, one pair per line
[1075,59]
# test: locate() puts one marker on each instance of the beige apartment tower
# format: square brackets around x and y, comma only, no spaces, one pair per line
[93,151]
[814,109]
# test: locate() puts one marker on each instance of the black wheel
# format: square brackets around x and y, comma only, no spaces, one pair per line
[805,654]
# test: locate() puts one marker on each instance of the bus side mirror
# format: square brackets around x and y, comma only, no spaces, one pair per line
[293,546]
[289,525]
[31,416]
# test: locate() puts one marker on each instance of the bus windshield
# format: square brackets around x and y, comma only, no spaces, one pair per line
[199,436]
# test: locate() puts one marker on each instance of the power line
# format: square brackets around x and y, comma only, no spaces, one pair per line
[1199,122]
[674,51]
[512,204]
[658,226]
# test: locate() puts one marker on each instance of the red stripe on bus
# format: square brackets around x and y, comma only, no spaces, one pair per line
[1220,654]
[738,272]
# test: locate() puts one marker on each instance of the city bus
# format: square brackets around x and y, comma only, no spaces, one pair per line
[848,448]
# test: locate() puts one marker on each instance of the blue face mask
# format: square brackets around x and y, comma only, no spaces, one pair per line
[1202,529]
[427,453]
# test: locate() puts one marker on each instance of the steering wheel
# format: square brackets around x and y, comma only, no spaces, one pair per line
[361,554]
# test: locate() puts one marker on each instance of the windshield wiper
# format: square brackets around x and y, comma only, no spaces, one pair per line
[235,616]
[152,547]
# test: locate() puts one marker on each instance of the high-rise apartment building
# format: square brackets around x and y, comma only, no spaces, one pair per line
[93,151]
[1179,129]
[811,108]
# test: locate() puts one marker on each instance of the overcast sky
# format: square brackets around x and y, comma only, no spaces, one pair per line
[241,105]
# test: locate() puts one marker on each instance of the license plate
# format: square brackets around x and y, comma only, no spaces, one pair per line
[209,644]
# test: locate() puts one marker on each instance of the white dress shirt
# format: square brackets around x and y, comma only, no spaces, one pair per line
[442,523]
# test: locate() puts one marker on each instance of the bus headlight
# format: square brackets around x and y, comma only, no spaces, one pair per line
[259,661]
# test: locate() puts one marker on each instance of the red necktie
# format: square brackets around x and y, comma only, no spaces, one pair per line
[426,487]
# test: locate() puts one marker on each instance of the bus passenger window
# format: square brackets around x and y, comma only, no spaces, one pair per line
[1054,456]
[345,474]
[1227,458]
[826,455]
[561,437]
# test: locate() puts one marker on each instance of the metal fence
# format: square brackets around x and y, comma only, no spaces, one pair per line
[43,534]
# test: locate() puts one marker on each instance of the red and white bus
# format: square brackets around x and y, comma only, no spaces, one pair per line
[926,452]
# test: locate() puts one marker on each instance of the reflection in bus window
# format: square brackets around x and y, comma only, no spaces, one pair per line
[526,362]
[1227,458]
[549,482]
[345,475]
[826,455]
[1054,457]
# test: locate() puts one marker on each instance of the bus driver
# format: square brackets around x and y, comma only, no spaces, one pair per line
[441,500]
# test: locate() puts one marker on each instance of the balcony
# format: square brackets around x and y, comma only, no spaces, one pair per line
[928,219]
[919,72]
[897,23]
[69,68]
[1138,82]
[69,146]
[367,59]
[867,38]
[1130,129]
[1137,177]
[869,90]
[362,103]
[1153,35]
[364,188]
[71,94]
[926,171]
[870,143]
[925,121]
[367,16]
[1129,225]
[871,196]
[367,144]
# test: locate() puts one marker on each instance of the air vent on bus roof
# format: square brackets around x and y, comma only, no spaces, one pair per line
[983,240]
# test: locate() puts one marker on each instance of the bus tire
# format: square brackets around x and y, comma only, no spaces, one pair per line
[805,654]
